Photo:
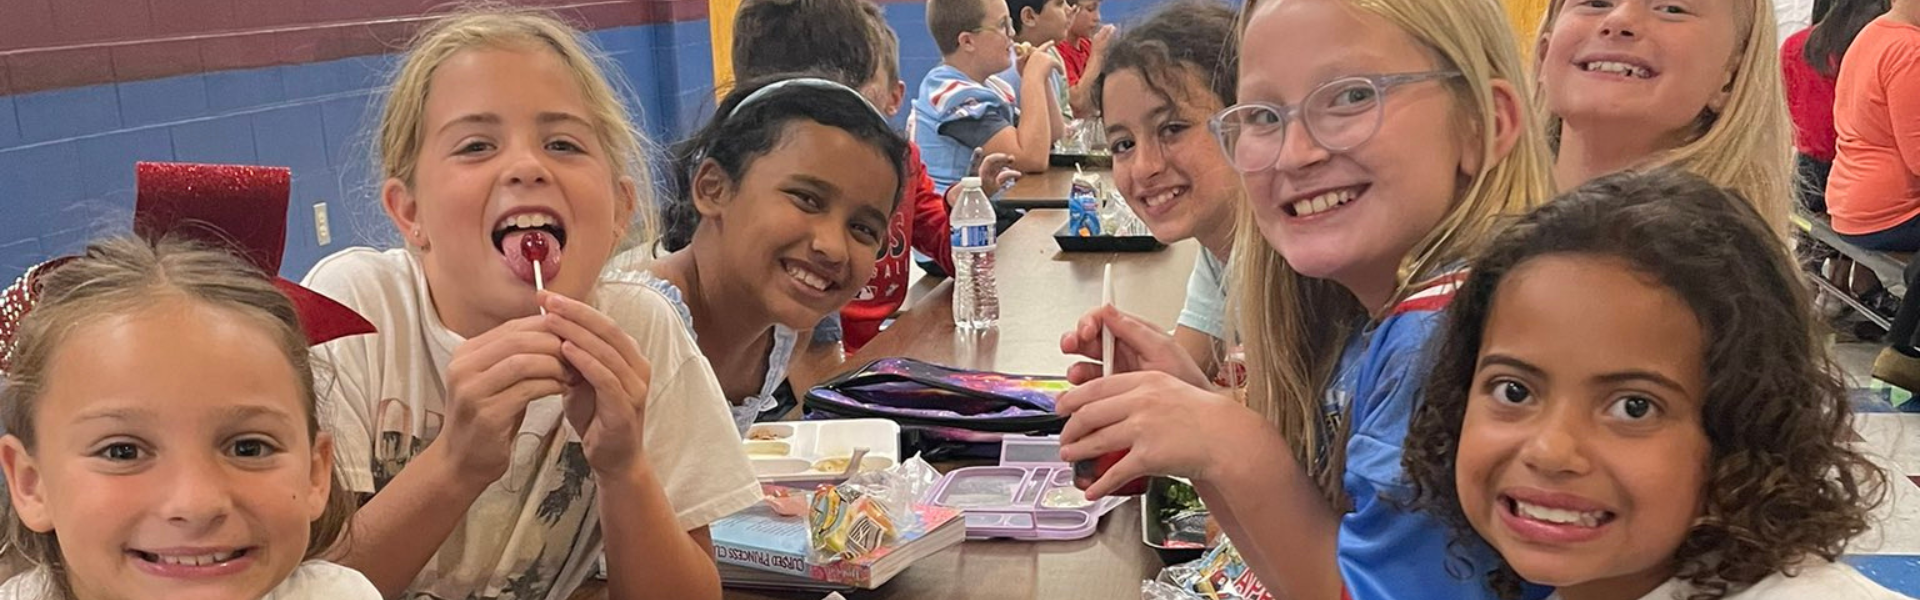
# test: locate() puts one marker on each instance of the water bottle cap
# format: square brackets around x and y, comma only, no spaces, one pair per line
[970,182]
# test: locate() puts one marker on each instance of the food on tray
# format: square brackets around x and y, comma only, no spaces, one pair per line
[1185,518]
[838,464]
[765,433]
[1067,497]
[768,449]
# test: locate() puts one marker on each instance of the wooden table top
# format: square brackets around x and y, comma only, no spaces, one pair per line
[1042,292]
[1044,190]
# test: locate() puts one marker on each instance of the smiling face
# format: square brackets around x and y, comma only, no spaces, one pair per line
[508,153]
[1164,162]
[1643,65]
[1382,196]
[1582,456]
[800,229]
[176,474]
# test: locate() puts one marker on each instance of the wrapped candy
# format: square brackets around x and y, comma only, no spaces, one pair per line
[846,524]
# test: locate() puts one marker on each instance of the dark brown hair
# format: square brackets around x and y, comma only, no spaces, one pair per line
[886,44]
[1834,30]
[736,141]
[120,276]
[1195,36]
[1783,483]
[828,37]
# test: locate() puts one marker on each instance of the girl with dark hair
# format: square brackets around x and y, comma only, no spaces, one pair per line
[1630,401]
[1157,87]
[1810,64]
[780,207]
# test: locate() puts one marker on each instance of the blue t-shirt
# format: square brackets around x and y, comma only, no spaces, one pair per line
[1387,551]
[948,96]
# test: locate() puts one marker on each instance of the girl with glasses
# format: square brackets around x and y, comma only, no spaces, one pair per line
[1379,142]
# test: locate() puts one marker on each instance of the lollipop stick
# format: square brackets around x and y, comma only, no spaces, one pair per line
[534,248]
[1106,333]
[539,285]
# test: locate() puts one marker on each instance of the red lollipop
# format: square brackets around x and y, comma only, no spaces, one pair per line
[534,247]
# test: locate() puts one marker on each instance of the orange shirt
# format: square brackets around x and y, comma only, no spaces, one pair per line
[1875,183]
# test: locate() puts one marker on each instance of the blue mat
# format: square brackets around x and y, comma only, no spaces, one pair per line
[1899,572]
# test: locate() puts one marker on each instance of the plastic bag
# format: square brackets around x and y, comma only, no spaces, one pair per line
[867,511]
[1219,575]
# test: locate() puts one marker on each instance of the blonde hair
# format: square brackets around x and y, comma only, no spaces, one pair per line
[1748,145]
[1294,326]
[487,26]
[122,276]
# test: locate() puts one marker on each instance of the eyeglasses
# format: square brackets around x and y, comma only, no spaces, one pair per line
[1339,115]
[1005,26]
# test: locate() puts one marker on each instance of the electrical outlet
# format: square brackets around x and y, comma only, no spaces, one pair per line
[322,234]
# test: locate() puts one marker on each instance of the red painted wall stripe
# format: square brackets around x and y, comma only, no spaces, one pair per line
[54,44]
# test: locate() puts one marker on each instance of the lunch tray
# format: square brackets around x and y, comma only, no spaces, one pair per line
[797,452]
[1104,243]
[1028,496]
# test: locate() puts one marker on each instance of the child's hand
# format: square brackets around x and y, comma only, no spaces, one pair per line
[607,402]
[1137,346]
[1103,37]
[490,381]
[1166,426]
[996,173]
[1040,62]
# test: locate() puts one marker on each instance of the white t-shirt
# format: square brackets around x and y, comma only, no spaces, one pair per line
[749,408]
[313,579]
[1822,580]
[534,533]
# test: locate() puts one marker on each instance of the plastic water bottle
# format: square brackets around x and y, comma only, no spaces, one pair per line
[976,298]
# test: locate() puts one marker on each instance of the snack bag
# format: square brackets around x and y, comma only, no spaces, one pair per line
[1219,575]
[846,524]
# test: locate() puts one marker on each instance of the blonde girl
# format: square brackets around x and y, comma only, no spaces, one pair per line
[508,437]
[1380,142]
[1690,83]
[162,437]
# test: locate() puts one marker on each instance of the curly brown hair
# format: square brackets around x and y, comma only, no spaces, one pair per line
[1783,482]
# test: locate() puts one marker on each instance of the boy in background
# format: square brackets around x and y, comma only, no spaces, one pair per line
[963,106]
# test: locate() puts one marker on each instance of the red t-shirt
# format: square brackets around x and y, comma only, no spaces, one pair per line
[920,223]
[1809,99]
[1073,57]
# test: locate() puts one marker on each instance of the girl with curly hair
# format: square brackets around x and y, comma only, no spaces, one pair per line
[1630,402]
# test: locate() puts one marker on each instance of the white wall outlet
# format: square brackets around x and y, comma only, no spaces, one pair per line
[322,233]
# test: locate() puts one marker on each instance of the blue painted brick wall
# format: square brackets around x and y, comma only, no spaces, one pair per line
[66,156]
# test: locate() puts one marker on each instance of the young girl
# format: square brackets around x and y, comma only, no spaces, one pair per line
[1379,141]
[162,440]
[783,204]
[1631,403]
[1810,65]
[506,436]
[1690,83]
[1160,83]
